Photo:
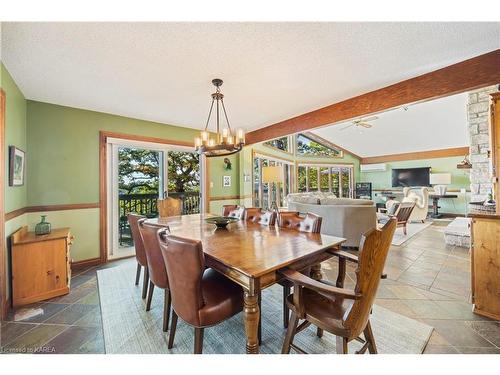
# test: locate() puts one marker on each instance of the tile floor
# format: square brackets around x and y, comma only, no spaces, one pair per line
[426,280]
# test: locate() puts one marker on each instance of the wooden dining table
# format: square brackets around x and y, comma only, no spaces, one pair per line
[251,255]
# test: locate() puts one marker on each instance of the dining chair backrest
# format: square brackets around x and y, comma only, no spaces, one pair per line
[169,207]
[156,265]
[185,264]
[233,211]
[404,211]
[373,250]
[263,217]
[228,208]
[140,253]
[291,219]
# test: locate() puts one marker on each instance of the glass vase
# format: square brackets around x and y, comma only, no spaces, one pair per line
[42,227]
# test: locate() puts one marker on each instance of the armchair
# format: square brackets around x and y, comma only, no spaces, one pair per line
[421,201]
[342,312]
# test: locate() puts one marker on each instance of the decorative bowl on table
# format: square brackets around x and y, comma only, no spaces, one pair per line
[221,221]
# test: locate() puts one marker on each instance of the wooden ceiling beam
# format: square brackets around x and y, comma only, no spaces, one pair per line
[479,71]
[417,155]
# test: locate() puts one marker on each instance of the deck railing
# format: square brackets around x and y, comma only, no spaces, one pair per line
[146,204]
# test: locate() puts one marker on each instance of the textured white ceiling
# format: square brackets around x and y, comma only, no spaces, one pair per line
[272,71]
[433,125]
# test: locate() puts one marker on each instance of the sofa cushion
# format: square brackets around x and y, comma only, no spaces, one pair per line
[309,199]
[345,202]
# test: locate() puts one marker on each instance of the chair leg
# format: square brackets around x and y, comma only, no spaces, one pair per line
[372,347]
[404,229]
[173,327]
[150,295]
[166,309]
[290,333]
[319,332]
[341,274]
[259,332]
[138,274]
[145,283]
[286,311]
[341,345]
[198,340]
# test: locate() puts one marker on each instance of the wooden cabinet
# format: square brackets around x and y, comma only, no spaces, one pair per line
[40,265]
[485,263]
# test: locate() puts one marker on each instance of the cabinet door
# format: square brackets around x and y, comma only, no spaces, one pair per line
[486,267]
[37,269]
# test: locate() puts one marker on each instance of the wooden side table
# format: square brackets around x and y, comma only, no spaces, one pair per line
[40,265]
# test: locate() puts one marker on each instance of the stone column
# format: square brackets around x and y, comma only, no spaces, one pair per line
[478,111]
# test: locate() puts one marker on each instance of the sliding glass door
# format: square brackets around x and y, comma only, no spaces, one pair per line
[337,179]
[263,194]
[139,173]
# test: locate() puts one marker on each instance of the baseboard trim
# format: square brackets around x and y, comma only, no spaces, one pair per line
[86,263]
[5,309]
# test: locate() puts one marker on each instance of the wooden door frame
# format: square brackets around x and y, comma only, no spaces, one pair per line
[103,180]
[4,305]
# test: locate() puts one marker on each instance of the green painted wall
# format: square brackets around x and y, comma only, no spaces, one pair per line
[63,146]
[15,135]
[217,171]
[459,179]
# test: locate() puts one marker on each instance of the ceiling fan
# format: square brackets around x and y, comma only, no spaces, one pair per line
[364,122]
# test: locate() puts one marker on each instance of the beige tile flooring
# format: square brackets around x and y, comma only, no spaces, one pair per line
[430,282]
[427,281]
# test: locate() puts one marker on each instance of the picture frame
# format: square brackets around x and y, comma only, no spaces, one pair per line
[17,165]
[226,181]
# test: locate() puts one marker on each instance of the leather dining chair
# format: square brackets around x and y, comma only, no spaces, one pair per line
[260,216]
[140,254]
[232,210]
[342,312]
[157,271]
[201,296]
[311,223]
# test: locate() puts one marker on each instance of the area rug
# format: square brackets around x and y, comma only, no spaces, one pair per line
[411,230]
[128,328]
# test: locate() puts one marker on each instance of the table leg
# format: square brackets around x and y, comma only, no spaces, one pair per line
[316,272]
[251,316]
[435,207]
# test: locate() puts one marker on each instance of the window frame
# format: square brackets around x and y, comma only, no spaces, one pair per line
[291,145]
[270,158]
[330,166]
[329,146]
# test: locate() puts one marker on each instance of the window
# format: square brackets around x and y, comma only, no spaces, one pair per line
[306,146]
[264,194]
[337,179]
[282,144]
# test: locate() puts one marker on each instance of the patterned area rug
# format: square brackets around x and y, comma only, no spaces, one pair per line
[128,328]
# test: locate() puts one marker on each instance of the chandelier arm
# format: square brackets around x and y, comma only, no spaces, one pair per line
[209,114]
[225,115]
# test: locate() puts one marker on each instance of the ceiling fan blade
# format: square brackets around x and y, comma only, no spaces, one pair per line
[365,124]
[372,118]
[347,127]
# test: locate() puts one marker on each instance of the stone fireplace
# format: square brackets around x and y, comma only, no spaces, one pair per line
[478,111]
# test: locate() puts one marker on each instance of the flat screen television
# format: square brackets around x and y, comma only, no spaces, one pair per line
[411,177]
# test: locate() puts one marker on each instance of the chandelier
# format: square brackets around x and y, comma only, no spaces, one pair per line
[226,142]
